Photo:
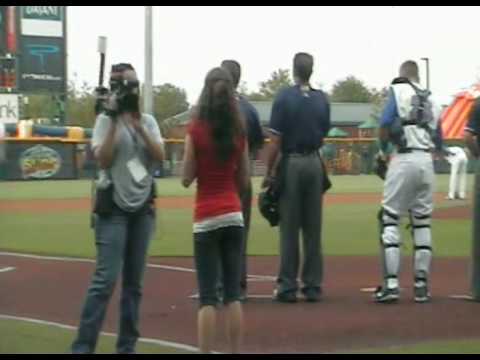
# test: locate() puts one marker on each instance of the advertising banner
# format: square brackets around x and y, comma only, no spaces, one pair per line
[42,21]
[42,64]
[40,161]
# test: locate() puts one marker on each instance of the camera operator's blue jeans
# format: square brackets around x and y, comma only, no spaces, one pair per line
[122,241]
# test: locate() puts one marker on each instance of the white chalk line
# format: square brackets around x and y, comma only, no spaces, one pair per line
[368,289]
[7,269]
[373,289]
[154,266]
[42,257]
[74,328]
[465,297]
[462,297]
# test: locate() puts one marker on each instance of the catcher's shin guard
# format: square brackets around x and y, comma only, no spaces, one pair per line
[390,241]
[422,238]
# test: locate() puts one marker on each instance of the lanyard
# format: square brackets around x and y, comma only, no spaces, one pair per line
[133,135]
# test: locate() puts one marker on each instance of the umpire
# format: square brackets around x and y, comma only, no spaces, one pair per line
[255,142]
[299,121]
[472,139]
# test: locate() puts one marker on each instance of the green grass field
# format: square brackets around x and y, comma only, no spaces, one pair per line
[471,346]
[349,229]
[67,189]
[20,337]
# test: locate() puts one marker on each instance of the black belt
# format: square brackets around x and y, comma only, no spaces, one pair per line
[410,150]
[300,154]
[304,151]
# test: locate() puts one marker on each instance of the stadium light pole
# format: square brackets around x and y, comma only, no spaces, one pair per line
[427,63]
[148,94]
[63,98]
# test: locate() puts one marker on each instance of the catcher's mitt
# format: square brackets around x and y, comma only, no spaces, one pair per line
[380,166]
[268,206]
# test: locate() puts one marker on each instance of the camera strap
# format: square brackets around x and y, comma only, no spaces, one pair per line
[133,135]
[136,168]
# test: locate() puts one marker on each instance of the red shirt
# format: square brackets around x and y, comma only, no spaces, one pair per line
[217,192]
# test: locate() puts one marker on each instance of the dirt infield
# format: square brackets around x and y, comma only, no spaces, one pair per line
[457,212]
[346,319]
[51,205]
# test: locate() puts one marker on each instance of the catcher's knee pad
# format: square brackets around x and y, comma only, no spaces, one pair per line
[390,228]
[422,238]
[390,238]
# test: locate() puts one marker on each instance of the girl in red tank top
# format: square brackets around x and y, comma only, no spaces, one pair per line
[216,154]
[217,190]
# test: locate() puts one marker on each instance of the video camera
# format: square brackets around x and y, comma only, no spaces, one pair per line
[119,86]
[123,87]
[120,89]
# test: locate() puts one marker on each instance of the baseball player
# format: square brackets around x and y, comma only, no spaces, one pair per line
[410,122]
[299,121]
[458,160]
[255,142]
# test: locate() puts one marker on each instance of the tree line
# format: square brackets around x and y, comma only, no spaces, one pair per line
[170,100]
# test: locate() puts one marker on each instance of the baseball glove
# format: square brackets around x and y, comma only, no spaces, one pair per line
[380,166]
[269,207]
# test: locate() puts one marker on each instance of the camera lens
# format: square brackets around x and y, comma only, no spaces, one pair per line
[114,85]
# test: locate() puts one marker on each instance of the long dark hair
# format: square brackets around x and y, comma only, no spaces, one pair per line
[217,106]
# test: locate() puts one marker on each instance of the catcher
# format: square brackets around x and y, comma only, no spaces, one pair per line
[410,121]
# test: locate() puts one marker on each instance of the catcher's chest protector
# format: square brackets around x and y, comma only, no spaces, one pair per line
[416,121]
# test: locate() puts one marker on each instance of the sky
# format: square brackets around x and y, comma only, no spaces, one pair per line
[368,42]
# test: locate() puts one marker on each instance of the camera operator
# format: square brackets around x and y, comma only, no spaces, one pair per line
[126,145]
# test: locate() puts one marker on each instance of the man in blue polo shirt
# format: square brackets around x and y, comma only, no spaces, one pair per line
[255,142]
[472,140]
[299,121]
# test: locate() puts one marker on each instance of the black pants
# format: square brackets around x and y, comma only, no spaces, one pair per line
[246,210]
[222,246]
[301,211]
[246,200]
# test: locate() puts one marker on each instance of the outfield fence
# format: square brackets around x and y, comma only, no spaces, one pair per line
[346,156]
[56,158]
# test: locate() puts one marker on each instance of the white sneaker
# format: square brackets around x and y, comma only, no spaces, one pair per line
[422,295]
[386,295]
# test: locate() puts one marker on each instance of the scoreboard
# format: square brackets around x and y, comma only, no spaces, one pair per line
[33,49]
